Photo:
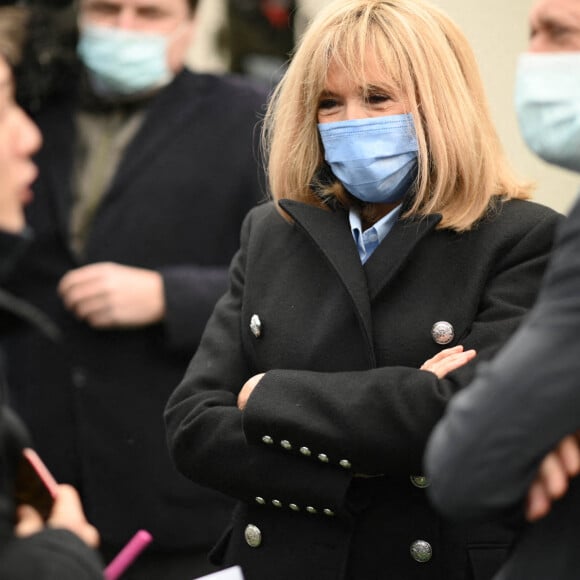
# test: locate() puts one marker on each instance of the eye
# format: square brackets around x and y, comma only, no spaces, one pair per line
[327,103]
[377,98]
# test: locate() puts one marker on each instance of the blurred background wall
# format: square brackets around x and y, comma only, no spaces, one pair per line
[498,32]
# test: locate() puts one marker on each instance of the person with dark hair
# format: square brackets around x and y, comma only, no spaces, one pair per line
[60,548]
[146,173]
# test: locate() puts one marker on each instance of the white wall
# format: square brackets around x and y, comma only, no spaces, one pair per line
[498,31]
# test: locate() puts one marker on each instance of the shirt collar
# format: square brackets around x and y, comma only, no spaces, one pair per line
[368,240]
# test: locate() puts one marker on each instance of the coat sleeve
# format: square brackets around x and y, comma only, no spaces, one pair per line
[204,425]
[486,451]
[305,435]
[49,555]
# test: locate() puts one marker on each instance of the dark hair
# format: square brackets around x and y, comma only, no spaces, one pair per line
[49,66]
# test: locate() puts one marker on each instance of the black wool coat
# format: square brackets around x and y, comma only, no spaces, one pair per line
[94,403]
[326,459]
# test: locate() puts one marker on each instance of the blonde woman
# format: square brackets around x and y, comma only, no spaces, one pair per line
[397,235]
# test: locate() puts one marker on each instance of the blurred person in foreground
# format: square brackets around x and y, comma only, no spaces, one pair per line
[509,444]
[146,172]
[60,548]
[397,230]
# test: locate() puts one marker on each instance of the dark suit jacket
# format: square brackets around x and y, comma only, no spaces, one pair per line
[342,395]
[94,405]
[486,451]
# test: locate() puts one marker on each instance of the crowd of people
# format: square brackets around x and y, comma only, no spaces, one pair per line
[315,329]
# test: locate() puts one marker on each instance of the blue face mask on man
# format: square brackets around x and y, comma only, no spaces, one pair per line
[374,158]
[124,62]
[548,105]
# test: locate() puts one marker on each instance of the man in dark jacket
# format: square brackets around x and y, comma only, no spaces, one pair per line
[145,176]
[493,447]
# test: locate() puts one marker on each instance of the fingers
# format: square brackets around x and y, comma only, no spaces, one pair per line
[107,295]
[247,390]
[448,360]
[569,452]
[539,503]
[553,477]
[68,513]
[28,521]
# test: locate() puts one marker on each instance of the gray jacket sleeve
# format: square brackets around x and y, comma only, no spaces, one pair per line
[485,452]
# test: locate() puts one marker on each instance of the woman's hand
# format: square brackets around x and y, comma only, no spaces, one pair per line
[67,513]
[553,477]
[448,360]
[247,390]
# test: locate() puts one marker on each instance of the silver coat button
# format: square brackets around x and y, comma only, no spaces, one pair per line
[305,451]
[256,325]
[328,512]
[421,551]
[286,444]
[323,457]
[345,463]
[267,439]
[260,500]
[253,536]
[442,332]
[420,481]
[311,510]
[276,503]
[294,507]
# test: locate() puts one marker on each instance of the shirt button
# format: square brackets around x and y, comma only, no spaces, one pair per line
[345,463]
[286,444]
[323,457]
[305,451]
[267,440]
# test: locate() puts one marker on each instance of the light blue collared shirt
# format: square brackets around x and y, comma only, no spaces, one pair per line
[368,241]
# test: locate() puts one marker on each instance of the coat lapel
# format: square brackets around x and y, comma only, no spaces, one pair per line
[166,115]
[395,249]
[330,231]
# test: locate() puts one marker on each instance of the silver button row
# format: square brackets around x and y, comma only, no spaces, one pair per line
[295,507]
[322,457]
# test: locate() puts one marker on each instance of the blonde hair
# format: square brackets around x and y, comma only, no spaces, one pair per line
[13,26]
[461,164]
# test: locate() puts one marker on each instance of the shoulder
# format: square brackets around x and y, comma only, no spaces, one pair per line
[521,214]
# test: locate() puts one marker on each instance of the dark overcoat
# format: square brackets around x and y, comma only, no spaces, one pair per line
[326,459]
[517,410]
[50,554]
[95,402]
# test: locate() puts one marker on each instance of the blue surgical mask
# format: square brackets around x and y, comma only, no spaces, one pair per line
[374,158]
[548,105]
[123,62]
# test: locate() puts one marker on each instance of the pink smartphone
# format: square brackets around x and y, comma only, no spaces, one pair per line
[34,483]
